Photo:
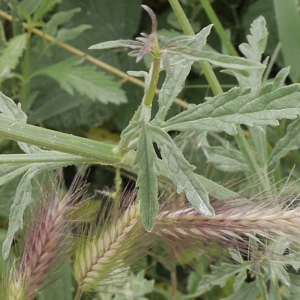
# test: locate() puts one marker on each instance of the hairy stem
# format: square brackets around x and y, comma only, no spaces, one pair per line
[153,82]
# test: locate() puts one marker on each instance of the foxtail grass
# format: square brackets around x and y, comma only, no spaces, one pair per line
[47,241]
[232,224]
[107,246]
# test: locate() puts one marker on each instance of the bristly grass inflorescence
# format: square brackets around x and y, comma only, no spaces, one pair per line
[108,244]
[46,242]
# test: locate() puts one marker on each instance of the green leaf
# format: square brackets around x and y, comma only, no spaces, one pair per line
[280,78]
[239,280]
[61,288]
[85,80]
[30,5]
[110,22]
[3,264]
[43,8]
[257,40]
[21,201]
[295,287]
[10,56]
[175,79]
[291,141]
[247,292]
[182,139]
[220,60]
[181,173]
[117,44]
[259,137]
[58,19]
[10,110]
[64,35]
[274,291]
[224,112]
[146,162]
[219,276]
[252,50]
[10,172]
[261,285]
[279,273]
[135,288]
[225,158]
[126,286]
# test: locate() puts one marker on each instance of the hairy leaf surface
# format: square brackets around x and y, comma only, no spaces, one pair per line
[181,173]
[175,79]
[224,112]
[146,162]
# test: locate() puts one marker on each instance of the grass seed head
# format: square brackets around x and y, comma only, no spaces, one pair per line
[47,239]
[109,245]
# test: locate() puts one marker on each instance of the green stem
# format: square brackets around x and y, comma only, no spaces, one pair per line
[153,82]
[16,159]
[54,140]
[81,150]
[218,27]
[24,93]
[250,160]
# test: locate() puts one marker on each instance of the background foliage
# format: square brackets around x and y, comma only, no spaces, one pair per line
[65,92]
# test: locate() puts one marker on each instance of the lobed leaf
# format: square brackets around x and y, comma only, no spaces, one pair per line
[224,112]
[220,275]
[175,79]
[86,81]
[257,40]
[181,173]
[146,162]
[253,50]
